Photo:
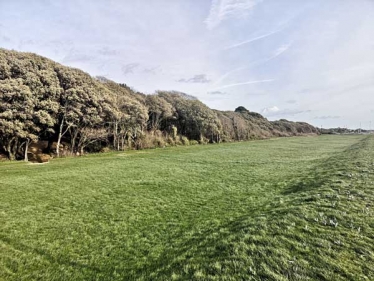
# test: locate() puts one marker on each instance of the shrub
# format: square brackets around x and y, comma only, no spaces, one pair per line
[143,141]
[170,141]
[178,141]
[3,157]
[158,141]
[105,149]
[158,133]
[185,140]
[204,140]
[194,142]
[43,158]
[147,140]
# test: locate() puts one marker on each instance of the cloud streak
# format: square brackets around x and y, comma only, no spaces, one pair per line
[217,93]
[327,117]
[282,49]
[243,83]
[281,28]
[129,68]
[275,111]
[199,78]
[252,40]
[221,10]
[76,56]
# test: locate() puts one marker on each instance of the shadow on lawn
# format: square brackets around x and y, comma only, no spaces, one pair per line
[326,169]
[57,260]
[204,249]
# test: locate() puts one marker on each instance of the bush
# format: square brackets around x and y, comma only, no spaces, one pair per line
[170,141]
[185,140]
[43,158]
[178,141]
[3,157]
[105,149]
[204,140]
[194,142]
[146,141]
[158,141]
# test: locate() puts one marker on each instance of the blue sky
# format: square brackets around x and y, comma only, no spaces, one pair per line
[300,60]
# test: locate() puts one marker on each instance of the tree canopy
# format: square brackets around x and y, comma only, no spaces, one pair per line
[41,100]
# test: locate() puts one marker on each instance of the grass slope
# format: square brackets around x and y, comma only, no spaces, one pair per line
[281,209]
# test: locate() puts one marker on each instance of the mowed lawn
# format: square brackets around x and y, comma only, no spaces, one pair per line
[297,208]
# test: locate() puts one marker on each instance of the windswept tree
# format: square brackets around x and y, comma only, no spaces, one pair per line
[29,87]
[85,106]
[193,118]
[22,118]
[16,115]
[43,100]
[129,116]
[158,111]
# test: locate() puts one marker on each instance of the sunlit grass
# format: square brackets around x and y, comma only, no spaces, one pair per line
[283,209]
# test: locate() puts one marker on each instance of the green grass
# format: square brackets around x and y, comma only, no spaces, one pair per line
[282,209]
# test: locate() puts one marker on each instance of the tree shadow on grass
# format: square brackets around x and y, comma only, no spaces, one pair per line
[203,249]
[326,169]
[58,261]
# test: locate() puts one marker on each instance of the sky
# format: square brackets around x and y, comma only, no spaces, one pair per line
[310,60]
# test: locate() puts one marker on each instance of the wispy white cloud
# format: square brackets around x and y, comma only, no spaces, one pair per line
[327,117]
[328,68]
[272,109]
[242,83]
[152,70]
[77,56]
[291,101]
[280,28]
[199,78]
[106,51]
[224,9]
[221,78]
[275,111]
[282,49]
[129,68]
[217,93]
[251,40]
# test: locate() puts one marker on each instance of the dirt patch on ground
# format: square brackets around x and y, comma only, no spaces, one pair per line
[36,163]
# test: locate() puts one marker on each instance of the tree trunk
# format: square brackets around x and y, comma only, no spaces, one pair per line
[11,156]
[59,137]
[129,141]
[11,149]
[73,140]
[27,143]
[116,136]
[123,143]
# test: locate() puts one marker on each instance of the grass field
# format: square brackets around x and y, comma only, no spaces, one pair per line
[282,209]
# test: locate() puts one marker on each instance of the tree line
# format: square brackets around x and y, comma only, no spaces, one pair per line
[41,100]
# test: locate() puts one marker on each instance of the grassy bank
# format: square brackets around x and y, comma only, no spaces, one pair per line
[280,209]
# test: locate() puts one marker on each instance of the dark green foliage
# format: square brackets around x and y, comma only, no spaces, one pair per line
[241,109]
